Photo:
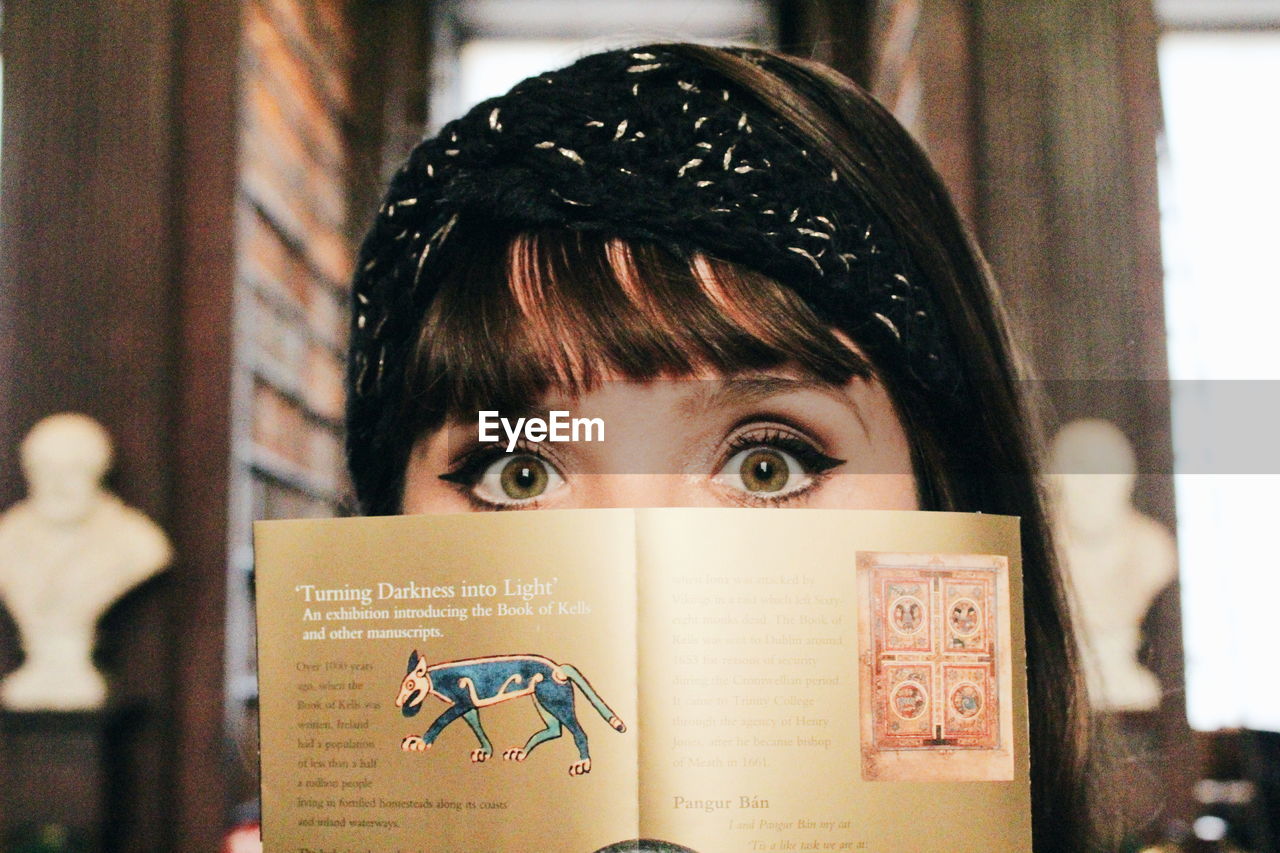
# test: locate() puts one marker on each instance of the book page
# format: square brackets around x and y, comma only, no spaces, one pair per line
[721,679]
[510,641]
[786,707]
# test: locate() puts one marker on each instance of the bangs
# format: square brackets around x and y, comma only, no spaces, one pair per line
[566,311]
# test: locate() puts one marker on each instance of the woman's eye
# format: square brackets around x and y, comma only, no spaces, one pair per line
[773,466]
[765,472]
[517,479]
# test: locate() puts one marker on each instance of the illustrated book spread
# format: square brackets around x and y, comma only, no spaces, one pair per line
[707,680]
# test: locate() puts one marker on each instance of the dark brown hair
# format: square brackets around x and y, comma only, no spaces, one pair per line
[520,312]
[519,315]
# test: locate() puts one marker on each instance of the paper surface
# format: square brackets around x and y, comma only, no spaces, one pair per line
[724,680]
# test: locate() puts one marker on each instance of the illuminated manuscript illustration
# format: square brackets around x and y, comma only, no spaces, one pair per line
[935,671]
[469,685]
[772,669]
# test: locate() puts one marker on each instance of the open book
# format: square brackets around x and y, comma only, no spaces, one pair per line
[716,680]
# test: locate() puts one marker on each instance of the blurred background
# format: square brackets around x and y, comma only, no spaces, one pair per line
[183,186]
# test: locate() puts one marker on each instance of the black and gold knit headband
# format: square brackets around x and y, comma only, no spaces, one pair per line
[639,144]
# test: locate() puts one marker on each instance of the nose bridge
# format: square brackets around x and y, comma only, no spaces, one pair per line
[643,433]
[639,490]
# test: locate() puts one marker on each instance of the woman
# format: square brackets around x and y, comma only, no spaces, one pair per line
[750,272]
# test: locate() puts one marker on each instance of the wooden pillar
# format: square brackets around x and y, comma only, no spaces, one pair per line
[391,79]
[1067,109]
[948,104]
[203,280]
[837,33]
[115,300]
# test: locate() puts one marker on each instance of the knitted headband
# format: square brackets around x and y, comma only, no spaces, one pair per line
[639,144]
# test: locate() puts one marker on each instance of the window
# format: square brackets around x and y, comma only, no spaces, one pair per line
[483,47]
[1220,181]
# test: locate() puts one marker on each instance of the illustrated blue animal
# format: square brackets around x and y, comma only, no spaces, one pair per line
[466,686]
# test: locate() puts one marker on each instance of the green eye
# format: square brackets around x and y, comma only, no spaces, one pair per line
[768,466]
[523,478]
[764,470]
[506,480]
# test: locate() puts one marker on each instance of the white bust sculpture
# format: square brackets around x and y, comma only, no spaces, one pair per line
[1118,560]
[67,553]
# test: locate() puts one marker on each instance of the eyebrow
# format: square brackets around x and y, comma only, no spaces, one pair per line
[748,390]
[467,426]
[712,394]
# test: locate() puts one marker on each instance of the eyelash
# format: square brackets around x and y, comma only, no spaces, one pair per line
[813,462]
[466,474]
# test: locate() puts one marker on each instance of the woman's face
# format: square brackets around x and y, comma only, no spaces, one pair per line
[772,439]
